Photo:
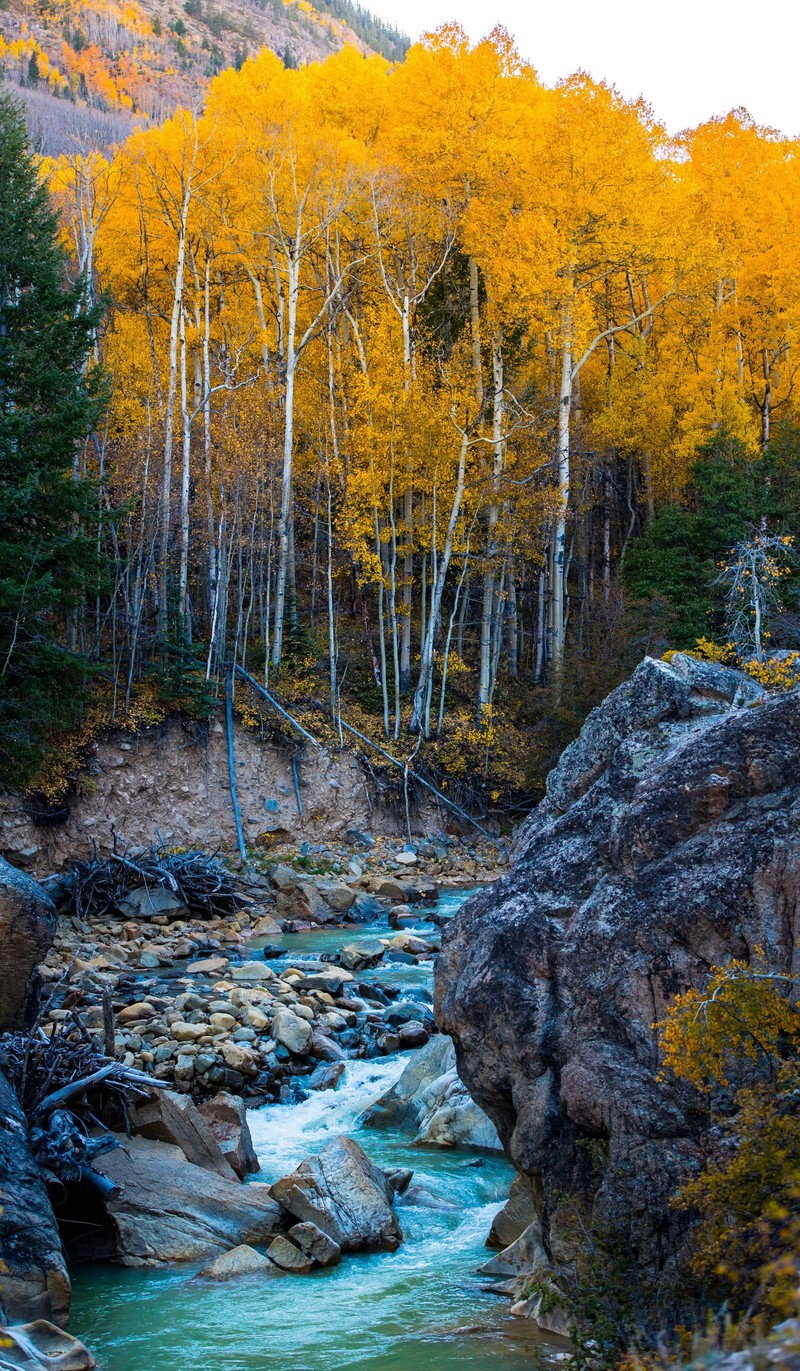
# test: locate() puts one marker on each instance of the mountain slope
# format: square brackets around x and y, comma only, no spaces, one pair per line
[88,70]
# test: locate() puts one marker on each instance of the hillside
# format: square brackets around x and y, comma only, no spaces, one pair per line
[90,70]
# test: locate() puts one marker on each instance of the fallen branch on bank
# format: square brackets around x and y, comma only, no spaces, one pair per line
[46,1073]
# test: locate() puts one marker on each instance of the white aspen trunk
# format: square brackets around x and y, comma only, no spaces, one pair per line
[331,620]
[559,542]
[169,423]
[513,624]
[475,326]
[284,516]
[426,662]
[207,472]
[489,575]
[183,565]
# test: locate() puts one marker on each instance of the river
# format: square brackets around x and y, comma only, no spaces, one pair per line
[417,1309]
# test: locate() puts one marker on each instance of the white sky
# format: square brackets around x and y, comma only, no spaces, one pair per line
[691,59]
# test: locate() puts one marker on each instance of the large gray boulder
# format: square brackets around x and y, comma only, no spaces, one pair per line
[27,929]
[668,840]
[33,1276]
[347,1197]
[169,1210]
[432,1102]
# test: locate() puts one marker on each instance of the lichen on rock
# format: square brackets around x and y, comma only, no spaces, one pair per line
[668,840]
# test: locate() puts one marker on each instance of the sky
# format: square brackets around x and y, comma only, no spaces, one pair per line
[690,59]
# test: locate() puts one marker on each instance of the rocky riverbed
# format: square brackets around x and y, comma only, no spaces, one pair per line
[197,1003]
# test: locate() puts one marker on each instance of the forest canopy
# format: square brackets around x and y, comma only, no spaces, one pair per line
[424,381]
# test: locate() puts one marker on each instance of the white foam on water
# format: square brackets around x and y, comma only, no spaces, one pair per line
[284,1134]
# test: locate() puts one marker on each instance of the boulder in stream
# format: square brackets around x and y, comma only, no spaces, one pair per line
[27,929]
[429,1100]
[172,1118]
[33,1276]
[345,1195]
[226,1117]
[240,1261]
[169,1210]
[41,1345]
[667,842]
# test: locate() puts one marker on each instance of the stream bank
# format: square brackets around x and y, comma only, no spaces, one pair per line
[420,1305]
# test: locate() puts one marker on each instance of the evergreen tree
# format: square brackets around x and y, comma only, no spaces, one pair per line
[49,402]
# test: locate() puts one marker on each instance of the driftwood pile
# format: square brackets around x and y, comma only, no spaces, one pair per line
[66,1086]
[182,885]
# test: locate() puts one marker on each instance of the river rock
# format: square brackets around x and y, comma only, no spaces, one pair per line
[332,979]
[324,1047]
[293,1032]
[317,1245]
[173,1118]
[399,1107]
[341,898]
[326,1076]
[668,840]
[525,1255]
[252,971]
[169,1210]
[27,929]
[519,1210]
[147,901]
[430,1100]
[365,952]
[413,1034]
[240,1261]
[288,1257]
[33,1276]
[41,1344]
[344,1195]
[304,901]
[226,1117]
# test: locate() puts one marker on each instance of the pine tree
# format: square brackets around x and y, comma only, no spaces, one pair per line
[49,402]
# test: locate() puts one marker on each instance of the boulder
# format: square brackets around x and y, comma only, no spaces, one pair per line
[449,1117]
[41,1344]
[524,1255]
[147,901]
[347,1197]
[252,971]
[341,898]
[27,929]
[293,1032]
[365,952]
[322,1249]
[169,1210]
[399,892]
[304,901]
[332,979]
[400,1106]
[288,1257]
[326,1076]
[226,1117]
[668,840]
[519,1210]
[265,927]
[172,1118]
[33,1276]
[240,1261]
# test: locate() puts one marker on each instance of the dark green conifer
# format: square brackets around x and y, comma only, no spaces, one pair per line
[49,402]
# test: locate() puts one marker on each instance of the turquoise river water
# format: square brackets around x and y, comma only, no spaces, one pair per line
[417,1309]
